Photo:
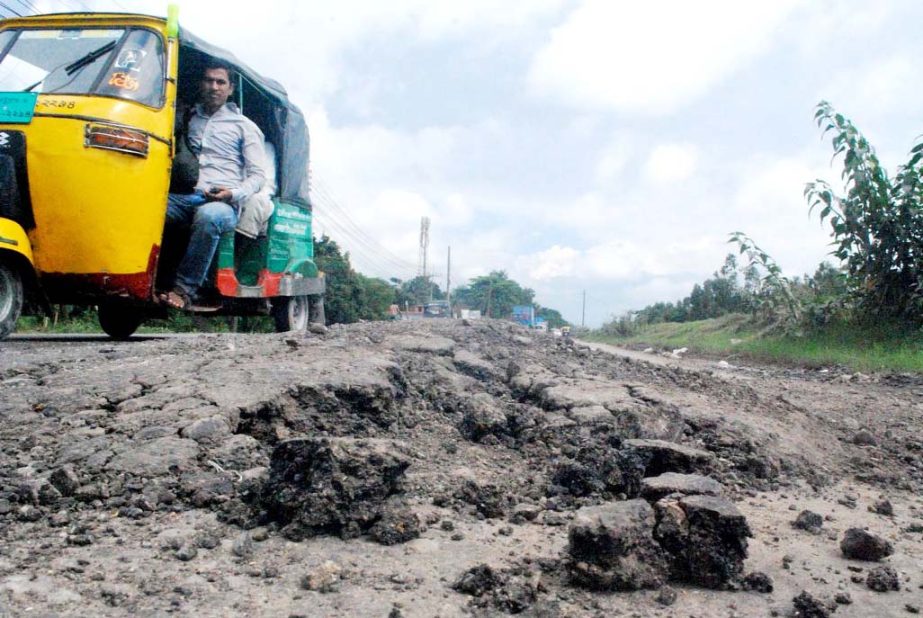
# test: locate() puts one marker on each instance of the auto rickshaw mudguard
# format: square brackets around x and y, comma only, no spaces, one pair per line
[13,238]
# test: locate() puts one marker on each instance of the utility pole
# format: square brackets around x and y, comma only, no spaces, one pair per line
[448,280]
[424,245]
[424,249]
[583,312]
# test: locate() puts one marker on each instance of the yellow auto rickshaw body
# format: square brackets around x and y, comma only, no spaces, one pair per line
[88,110]
[98,162]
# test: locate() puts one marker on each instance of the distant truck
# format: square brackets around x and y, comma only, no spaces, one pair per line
[524,314]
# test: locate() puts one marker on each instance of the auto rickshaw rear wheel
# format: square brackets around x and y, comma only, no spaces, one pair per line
[290,313]
[11,297]
[118,320]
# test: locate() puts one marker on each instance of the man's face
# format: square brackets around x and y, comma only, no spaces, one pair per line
[216,88]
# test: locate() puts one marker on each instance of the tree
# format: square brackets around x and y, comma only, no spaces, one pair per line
[494,295]
[378,296]
[877,223]
[417,291]
[350,296]
[551,316]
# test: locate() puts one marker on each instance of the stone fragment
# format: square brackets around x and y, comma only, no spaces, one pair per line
[28,513]
[475,366]
[808,521]
[656,487]
[591,415]
[483,417]
[48,495]
[611,547]
[243,545]
[507,592]
[431,344]
[860,544]
[331,485]
[186,552]
[238,452]
[666,596]
[883,579]
[843,598]
[208,430]
[525,512]
[757,581]
[156,457]
[883,507]
[323,578]
[317,328]
[396,526]
[477,580]
[663,456]
[489,499]
[706,538]
[65,480]
[808,606]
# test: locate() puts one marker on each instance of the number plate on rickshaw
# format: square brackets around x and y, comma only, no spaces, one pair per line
[17,107]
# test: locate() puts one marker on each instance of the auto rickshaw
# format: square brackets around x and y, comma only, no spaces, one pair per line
[88,106]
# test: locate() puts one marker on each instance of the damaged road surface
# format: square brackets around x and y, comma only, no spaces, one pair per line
[448,468]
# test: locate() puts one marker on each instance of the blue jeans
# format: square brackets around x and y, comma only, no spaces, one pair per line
[208,221]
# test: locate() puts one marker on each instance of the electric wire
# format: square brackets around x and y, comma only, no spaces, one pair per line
[358,235]
[29,6]
[367,261]
[369,255]
[322,189]
[10,9]
[327,215]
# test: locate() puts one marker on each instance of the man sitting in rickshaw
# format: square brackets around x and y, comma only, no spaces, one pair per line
[232,168]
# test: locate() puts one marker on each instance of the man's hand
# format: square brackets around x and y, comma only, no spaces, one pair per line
[219,194]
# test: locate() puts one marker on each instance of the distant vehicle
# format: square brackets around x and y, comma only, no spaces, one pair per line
[437,309]
[524,315]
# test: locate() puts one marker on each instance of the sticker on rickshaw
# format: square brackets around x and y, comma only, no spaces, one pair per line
[124,81]
[17,107]
[130,59]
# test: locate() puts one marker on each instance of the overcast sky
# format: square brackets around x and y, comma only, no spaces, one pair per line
[594,145]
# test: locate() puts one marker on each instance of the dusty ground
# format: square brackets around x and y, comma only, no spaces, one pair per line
[138,478]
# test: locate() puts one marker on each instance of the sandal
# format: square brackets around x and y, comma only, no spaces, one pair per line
[176,299]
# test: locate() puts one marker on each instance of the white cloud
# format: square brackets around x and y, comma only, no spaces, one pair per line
[613,160]
[554,262]
[652,57]
[878,89]
[769,206]
[670,163]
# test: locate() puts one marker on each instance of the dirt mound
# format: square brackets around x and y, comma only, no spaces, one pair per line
[362,471]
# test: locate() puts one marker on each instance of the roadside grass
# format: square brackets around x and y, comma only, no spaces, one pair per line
[86,323]
[882,347]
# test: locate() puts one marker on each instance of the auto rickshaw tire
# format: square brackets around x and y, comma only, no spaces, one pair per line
[316,314]
[11,297]
[290,313]
[119,321]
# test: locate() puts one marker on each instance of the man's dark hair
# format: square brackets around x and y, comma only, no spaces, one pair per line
[218,63]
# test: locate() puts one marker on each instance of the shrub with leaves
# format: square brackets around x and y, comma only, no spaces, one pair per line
[774,299]
[877,223]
